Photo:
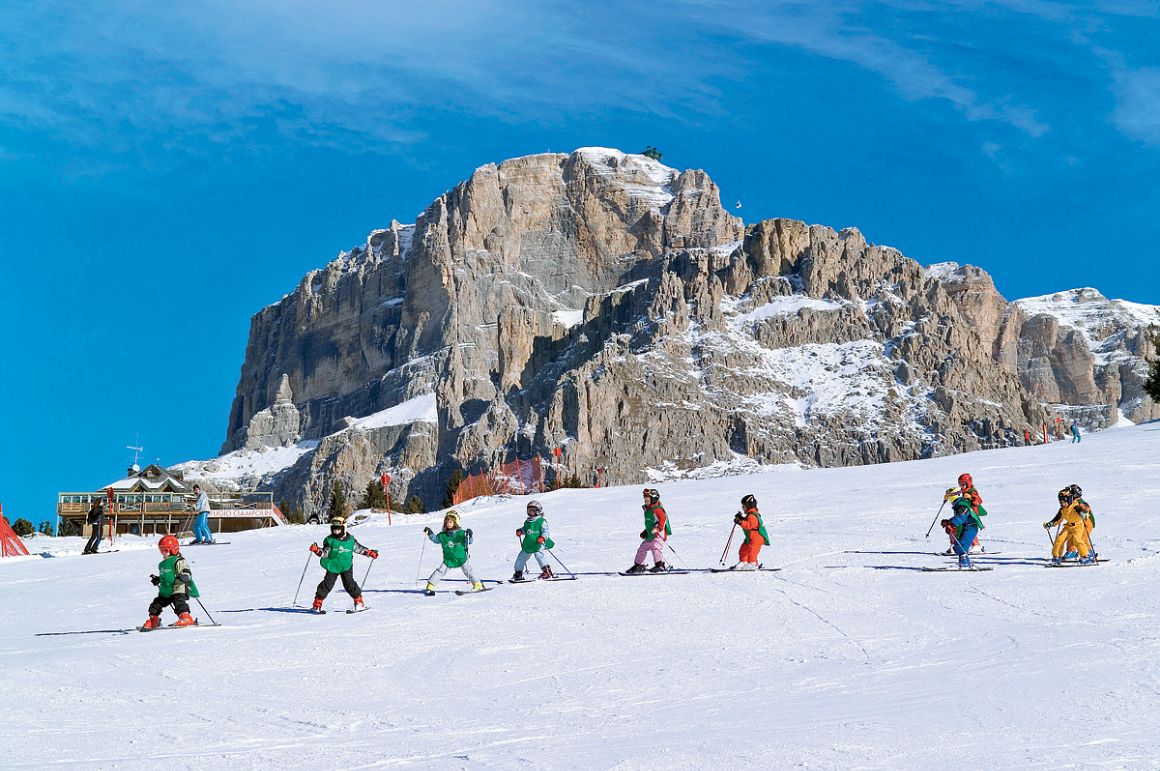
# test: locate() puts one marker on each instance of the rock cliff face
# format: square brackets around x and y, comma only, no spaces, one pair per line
[608,306]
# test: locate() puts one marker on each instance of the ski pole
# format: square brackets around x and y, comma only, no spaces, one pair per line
[728,544]
[206,611]
[559,560]
[419,570]
[678,556]
[936,516]
[366,574]
[300,580]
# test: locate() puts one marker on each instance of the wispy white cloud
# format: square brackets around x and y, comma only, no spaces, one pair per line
[1137,112]
[369,74]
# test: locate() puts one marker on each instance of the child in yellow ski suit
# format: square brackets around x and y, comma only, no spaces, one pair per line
[1074,533]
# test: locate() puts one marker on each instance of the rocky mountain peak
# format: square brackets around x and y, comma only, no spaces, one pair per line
[604,305]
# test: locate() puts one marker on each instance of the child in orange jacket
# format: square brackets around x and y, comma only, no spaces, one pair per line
[755,534]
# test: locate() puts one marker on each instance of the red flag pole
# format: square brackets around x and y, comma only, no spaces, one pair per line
[386,480]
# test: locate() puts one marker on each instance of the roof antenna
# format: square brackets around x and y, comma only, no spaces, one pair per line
[136,451]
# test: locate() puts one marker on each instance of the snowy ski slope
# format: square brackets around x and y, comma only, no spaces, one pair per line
[851,657]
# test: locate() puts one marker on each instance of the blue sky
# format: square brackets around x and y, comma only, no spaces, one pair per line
[165,172]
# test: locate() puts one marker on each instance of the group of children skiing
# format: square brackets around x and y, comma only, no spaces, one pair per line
[336,554]
[1075,518]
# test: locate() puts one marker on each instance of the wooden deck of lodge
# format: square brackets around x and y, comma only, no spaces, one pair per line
[158,513]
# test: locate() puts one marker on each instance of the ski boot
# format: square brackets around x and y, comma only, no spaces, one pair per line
[949,552]
[1056,560]
[636,568]
[660,567]
[317,606]
[430,590]
[1088,560]
[152,623]
[518,575]
[185,620]
[965,562]
[358,603]
[477,586]
[547,572]
[1071,555]
[746,566]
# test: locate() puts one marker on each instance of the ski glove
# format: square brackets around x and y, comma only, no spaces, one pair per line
[738,517]
[540,539]
[469,532]
[426,531]
[156,580]
[643,534]
[519,533]
[1046,525]
[372,554]
[314,548]
[945,523]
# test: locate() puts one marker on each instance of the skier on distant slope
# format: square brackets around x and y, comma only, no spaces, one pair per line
[455,552]
[337,558]
[1073,536]
[966,489]
[656,532]
[534,538]
[755,534]
[174,584]
[963,526]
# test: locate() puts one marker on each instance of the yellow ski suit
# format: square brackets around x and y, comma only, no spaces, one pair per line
[1074,535]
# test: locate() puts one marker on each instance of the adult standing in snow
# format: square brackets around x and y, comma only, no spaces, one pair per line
[534,538]
[96,520]
[1075,437]
[656,532]
[201,531]
[337,558]
[749,519]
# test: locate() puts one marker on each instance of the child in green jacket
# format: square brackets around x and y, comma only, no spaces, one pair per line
[534,538]
[455,553]
[174,584]
[337,553]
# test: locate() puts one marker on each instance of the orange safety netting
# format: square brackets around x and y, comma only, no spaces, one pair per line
[10,543]
[520,477]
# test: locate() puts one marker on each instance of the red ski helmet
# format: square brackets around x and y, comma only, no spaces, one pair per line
[169,545]
[965,480]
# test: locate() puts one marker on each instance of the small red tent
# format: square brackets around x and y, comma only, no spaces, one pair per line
[10,543]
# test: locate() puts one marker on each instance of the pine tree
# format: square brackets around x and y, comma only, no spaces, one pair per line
[22,527]
[452,488]
[45,528]
[1152,384]
[375,496]
[338,506]
[415,505]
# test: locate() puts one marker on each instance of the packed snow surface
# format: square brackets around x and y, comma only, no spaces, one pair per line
[850,657]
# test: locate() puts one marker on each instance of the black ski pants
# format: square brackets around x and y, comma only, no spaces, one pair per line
[180,603]
[348,583]
[95,537]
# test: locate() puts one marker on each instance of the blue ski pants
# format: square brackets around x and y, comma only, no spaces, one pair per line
[522,560]
[201,531]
